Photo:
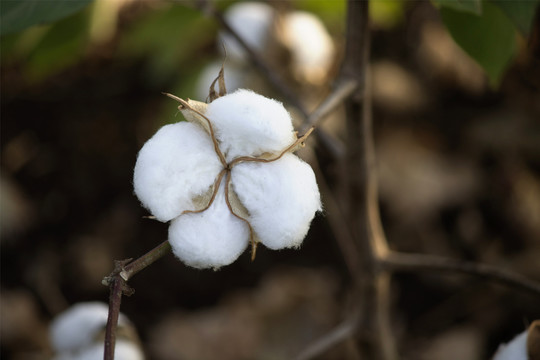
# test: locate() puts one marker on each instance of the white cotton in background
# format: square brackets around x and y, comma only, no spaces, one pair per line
[174,166]
[77,327]
[123,350]
[310,44]
[249,124]
[281,197]
[209,239]
[516,349]
[234,79]
[252,21]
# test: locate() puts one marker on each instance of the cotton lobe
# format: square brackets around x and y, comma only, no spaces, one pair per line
[227,178]
[248,124]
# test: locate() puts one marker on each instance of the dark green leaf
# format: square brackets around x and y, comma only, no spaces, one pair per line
[489,39]
[17,15]
[470,6]
[520,12]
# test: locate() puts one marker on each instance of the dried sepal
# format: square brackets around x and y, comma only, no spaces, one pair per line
[267,157]
[194,111]
[222,89]
[239,210]
[204,201]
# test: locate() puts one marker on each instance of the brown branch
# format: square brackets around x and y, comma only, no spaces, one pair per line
[117,286]
[342,91]
[340,333]
[117,282]
[273,78]
[362,183]
[400,262]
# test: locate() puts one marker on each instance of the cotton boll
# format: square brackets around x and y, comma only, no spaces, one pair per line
[77,327]
[252,21]
[249,124]
[209,239]
[514,350]
[177,164]
[281,197]
[310,44]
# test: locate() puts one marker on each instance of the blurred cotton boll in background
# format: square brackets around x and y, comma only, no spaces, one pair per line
[296,43]
[525,346]
[253,22]
[310,45]
[78,334]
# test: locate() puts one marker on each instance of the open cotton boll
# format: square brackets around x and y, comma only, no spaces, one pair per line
[209,239]
[249,124]
[310,44]
[252,21]
[281,197]
[514,350]
[77,327]
[177,164]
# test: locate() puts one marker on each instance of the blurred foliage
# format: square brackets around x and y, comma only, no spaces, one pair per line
[471,6]
[17,15]
[489,38]
[386,13]
[521,13]
[486,30]
[167,37]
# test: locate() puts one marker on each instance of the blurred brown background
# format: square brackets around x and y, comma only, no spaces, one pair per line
[459,176]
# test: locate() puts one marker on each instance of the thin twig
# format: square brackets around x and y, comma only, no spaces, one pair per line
[147,259]
[117,286]
[343,90]
[272,76]
[340,333]
[363,206]
[400,262]
[117,282]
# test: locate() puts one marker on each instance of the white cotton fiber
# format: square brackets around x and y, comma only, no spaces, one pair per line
[77,327]
[281,197]
[514,350]
[210,239]
[249,124]
[310,44]
[252,21]
[175,165]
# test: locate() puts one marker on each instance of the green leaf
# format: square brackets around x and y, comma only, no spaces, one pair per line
[17,15]
[60,47]
[520,12]
[167,38]
[470,6]
[489,39]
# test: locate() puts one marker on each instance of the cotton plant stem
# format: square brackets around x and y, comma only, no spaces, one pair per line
[117,282]
[147,259]
[363,207]
[115,299]
[402,262]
